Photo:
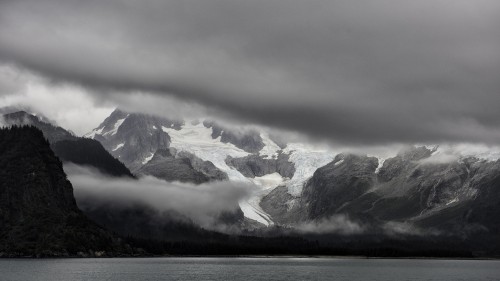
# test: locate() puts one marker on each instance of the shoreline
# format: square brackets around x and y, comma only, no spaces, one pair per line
[252,257]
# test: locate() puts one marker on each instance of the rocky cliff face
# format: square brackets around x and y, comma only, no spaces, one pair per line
[332,186]
[183,167]
[38,213]
[257,166]
[249,140]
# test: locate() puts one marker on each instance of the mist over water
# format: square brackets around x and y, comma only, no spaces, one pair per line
[201,204]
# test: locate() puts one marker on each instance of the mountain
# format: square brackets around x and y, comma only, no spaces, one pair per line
[420,190]
[196,151]
[51,132]
[133,138]
[412,190]
[38,213]
[70,148]
[39,217]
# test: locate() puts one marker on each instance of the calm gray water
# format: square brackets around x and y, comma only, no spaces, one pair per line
[236,269]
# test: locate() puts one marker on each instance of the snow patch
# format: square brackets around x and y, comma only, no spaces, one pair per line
[270,149]
[94,132]
[147,159]
[118,146]
[380,165]
[452,201]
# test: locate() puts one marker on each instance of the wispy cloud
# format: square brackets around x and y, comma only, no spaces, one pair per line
[336,224]
[202,204]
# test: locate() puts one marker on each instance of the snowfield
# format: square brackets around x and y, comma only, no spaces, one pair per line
[197,139]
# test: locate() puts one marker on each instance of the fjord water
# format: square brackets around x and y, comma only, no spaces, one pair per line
[237,269]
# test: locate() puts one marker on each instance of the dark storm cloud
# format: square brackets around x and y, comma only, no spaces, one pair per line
[351,71]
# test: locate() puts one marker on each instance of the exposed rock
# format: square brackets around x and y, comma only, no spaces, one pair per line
[344,179]
[257,166]
[133,138]
[406,159]
[184,167]
[248,140]
[283,207]
[205,167]
[458,197]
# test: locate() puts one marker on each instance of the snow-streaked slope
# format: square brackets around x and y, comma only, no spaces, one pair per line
[100,131]
[307,160]
[117,125]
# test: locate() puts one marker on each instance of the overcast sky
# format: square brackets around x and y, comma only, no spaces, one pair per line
[357,72]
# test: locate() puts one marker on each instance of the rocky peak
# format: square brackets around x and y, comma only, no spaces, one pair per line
[134,138]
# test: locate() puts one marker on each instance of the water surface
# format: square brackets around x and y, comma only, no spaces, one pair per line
[237,269]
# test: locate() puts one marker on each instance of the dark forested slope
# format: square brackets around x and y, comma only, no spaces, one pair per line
[70,148]
[38,213]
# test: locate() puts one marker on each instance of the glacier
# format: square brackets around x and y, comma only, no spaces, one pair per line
[307,160]
[195,138]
